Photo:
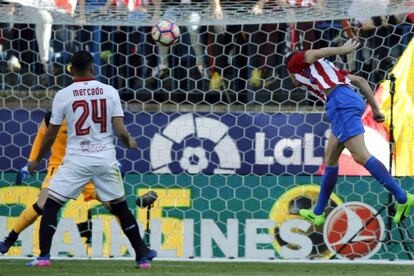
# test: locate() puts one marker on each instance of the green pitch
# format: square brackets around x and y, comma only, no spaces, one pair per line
[112,267]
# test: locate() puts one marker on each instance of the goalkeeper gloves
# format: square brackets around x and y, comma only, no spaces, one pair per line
[22,175]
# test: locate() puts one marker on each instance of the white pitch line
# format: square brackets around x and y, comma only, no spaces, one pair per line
[226,260]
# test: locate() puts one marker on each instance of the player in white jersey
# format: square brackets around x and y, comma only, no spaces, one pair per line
[92,110]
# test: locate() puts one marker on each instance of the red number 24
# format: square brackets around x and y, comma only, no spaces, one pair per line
[97,117]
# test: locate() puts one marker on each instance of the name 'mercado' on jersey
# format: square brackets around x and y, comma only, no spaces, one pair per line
[319,76]
[88,106]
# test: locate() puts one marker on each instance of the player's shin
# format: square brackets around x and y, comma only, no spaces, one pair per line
[329,179]
[26,218]
[130,228]
[48,225]
[381,174]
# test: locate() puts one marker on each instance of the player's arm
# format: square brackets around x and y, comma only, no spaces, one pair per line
[56,119]
[23,173]
[122,132]
[118,123]
[366,90]
[47,143]
[34,152]
[311,56]
[38,141]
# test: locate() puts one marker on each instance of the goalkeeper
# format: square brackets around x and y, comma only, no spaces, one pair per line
[344,108]
[31,213]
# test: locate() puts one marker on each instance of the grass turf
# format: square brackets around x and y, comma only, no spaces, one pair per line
[113,267]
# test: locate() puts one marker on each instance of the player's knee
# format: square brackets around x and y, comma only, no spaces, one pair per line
[331,163]
[117,200]
[41,202]
[107,205]
[360,158]
[42,198]
[118,207]
[121,210]
[330,160]
[52,206]
[57,200]
[38,209]
[119,204]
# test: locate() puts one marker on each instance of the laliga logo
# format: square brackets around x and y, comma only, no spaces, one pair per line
[348,233]
[194,144]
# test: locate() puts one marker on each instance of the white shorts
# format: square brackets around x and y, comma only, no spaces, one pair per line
[71,178]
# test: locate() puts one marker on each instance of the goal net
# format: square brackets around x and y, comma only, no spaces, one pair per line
[230,146]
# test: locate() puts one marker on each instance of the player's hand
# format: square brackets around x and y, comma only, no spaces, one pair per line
[132,143]
[32,165]
[350,46]
[22,175]
[378,117]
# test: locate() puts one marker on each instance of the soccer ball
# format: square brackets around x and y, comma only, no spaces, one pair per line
[166,32]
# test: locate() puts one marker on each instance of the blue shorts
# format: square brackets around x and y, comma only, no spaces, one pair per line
[344,108]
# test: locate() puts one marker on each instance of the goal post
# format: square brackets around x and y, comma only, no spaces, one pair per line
[232,149]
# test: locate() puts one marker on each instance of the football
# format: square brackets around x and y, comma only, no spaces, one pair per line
[166,32]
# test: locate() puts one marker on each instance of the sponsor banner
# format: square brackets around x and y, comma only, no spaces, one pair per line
[354,230]
[209,143]
[213,143]
[236,143]
[223,216]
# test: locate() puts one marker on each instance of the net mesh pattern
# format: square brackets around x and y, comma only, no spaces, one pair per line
[223,134]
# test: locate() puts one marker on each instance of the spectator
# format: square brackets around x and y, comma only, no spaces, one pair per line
[378,35]
[304,29]
[162,71]
[268,46]
[39,12]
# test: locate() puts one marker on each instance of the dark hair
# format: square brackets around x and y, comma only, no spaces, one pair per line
[81,61]
[289,57]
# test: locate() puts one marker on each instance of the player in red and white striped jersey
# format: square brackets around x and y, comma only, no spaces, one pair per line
[317,77]
[344,108]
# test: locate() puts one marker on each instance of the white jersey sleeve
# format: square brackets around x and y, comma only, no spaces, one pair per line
[58,109]
[117,107]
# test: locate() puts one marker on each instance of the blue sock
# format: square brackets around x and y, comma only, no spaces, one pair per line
[381,174]
[328,183]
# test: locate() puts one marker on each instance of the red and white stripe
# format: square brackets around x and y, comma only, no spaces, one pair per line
[312,88]
[320,76]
